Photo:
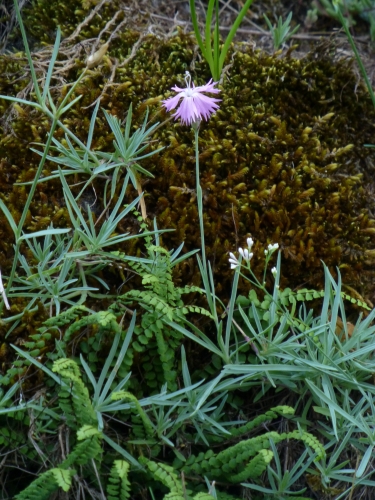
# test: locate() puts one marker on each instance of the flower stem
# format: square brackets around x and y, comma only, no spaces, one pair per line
[199,197]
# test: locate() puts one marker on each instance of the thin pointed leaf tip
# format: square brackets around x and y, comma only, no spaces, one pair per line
[194,104]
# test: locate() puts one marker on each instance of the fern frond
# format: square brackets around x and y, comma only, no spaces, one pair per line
[165,474]
[288,297]
[48,482]
[256,422]
[87,432]
[105,319]
[190,289]
[309,440]
[89,448]
[195,309]
[118,487]
[75,403]
[67,317]
[167,357]
[254,468]
[116,396]
[66,367]
[63,477]
[246,449]
[248,458]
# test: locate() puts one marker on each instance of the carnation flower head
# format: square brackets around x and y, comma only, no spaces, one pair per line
[194,104]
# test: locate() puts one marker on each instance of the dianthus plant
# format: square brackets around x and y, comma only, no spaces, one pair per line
[192,105]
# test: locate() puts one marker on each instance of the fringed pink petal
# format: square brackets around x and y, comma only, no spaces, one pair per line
[187,111]
[209,87]
[172,102]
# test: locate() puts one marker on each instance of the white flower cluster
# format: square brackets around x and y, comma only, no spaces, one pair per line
[233,261]
[244,252]
[271,248]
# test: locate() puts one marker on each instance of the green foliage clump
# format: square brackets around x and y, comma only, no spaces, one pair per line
[282,159]
[160,299]
[274,164]
[247,459]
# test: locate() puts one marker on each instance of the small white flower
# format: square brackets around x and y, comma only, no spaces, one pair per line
[250,243]
[233,261]
[274,272]
[243,252]
[271,247]
[246,255]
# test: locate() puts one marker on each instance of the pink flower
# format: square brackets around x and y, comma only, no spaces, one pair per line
[194,105]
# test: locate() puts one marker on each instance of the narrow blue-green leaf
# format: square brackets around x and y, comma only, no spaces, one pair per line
[44,232]
[196,28]
[119,360]
[21,101]
[232,32]
[27,50]
[35,362]
[70,104]
[364,462]
[230,311]
[206,342]
[209,56]
[122,452]
[9,217]
[315,390]
[51,65]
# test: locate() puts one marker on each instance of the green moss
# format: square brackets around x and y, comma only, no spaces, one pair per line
[282,160]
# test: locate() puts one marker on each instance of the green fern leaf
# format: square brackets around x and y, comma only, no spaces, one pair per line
[87,431]
[105,318]
[118,487]
[84,451]
[254,468]
[165,474]
[260,419]
[308,439]
[41,488]
[76,404]
[63,477]
[116,396]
